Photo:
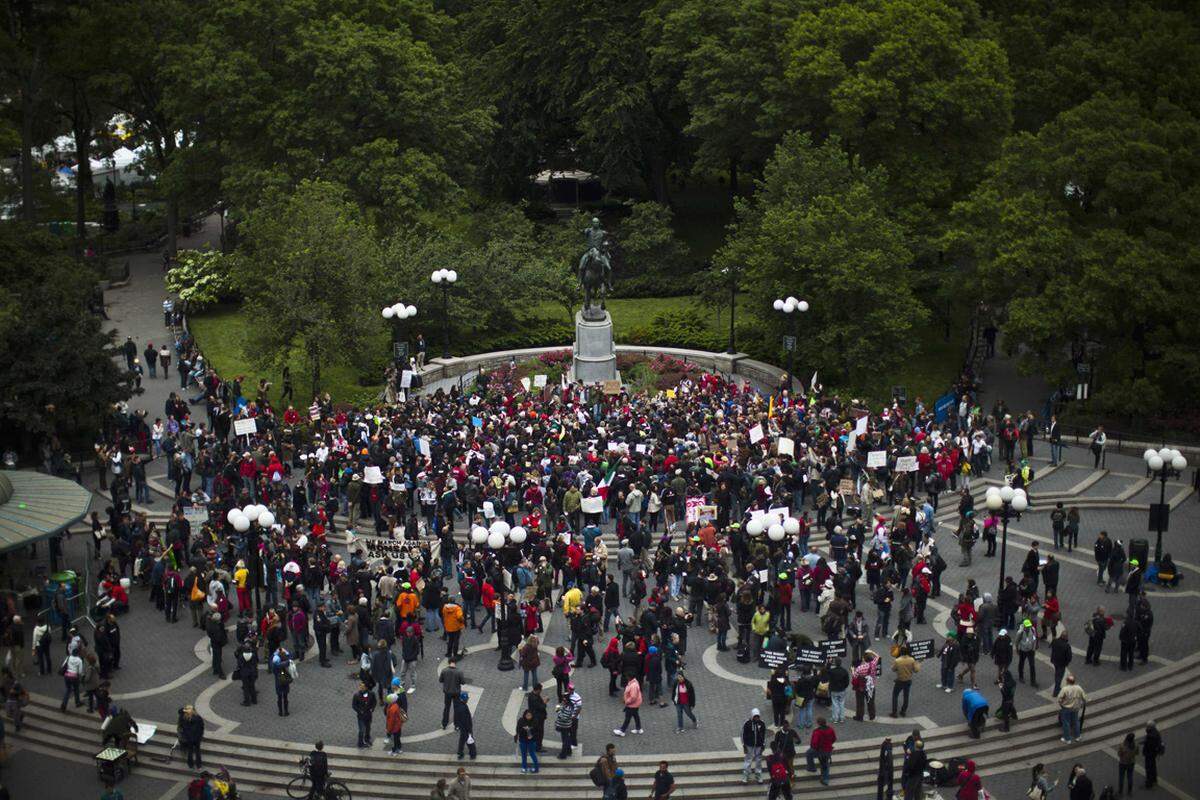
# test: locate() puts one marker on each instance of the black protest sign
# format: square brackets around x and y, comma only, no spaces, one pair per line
[773,658]
[810,655]
[921,650]
[833,647]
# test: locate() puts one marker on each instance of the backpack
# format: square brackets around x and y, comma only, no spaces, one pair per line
[779,772]
[599,779]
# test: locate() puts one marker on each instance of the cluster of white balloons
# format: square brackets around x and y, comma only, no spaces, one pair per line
[399,311]
[776,531]
[1156,460]
[498,535]
[997,496]
[242,518]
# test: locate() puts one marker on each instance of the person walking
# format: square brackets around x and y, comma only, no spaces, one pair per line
[281,667]
[529,659]
[1071,701]
[1152,748]
[190,728]
[394,717]
[1026,646]
[754,739]
[1079,785]
[1127,753]
[781,777]
[632,698]
[684,697]
[464,724]
[1060,658]
[820,747]
[904,667]
[1040,785]
[526,740]
[72,672]
[460,787]
[363,704]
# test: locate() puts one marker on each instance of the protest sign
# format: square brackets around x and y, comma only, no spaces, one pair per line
[246,426]
[612,387]
[833,648]
[406,379]
[692,505]
[539,381]
[525,383]
[809,655]
[670,394]
[906,464]
[921,650]
[786,446]
[372,476]
[756,434]
[876,458]
[423,447]
[592,505]
[377,547]
[314,412]
[641,448]
[489,510]
[477,422]
[846,487]
[196,516]
[772,658]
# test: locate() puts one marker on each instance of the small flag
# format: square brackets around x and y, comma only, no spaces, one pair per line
[604,484]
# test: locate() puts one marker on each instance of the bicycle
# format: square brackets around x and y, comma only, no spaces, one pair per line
[300,787]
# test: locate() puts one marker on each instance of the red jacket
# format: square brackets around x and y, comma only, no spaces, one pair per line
[487,595]
[822,739]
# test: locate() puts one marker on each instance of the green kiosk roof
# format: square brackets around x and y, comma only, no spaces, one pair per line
[34,505]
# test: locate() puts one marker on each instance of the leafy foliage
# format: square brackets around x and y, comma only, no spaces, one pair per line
[201,278]
[818,228]
[57,366]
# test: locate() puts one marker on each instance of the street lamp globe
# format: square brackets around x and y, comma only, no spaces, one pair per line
[994,503]
[437,275]
[1155,462]
[1179,463]
[1020,501]
[1165,454]
[1146,455]
[1006,494]
[777,305]
[410,311]
[388,312]
[802,305]
[451,276]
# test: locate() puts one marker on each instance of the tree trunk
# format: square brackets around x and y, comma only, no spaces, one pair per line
[27,109]
[83,181]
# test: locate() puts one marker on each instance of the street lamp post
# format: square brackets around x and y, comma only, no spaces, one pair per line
[396,313]
[445,278]
[731,273]
[1165,464]
[789,307]
[1010,503]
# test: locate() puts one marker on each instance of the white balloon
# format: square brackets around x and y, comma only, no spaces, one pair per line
[500,527]
[775,532]
[266,519]
[754,527]
[517,535]
[242,523]
[791,526]
[495,540]
[479,535]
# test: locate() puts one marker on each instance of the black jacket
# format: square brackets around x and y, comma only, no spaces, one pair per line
[754,733]
[191,731]
[462,717]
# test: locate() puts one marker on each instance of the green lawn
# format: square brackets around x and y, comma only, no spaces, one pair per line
[221,332]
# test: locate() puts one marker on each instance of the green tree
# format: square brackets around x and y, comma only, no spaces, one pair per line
[916,86]
[1086,233]
[57,366]
[818,228]
[307,267]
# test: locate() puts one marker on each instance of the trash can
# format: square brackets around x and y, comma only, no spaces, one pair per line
[1140,549]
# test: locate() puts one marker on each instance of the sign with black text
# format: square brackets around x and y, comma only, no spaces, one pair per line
[921,650]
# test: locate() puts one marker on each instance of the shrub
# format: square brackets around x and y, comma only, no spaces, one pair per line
[201,278]
[677,329]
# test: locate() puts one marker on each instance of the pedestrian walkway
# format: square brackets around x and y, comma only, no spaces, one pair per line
[1002,380]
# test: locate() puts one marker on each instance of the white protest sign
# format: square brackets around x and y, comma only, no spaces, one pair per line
[641,448]
[756,434]
[372,475]
[489,510]
[786,446]
[245,426]
[423,446]
[778,513]
[539,381]
[196,515]
[860,426]
[876,458]
[850,441]
[592,505]
[406,379]
[906,464]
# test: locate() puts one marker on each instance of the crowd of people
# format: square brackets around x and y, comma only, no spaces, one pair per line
[730,509]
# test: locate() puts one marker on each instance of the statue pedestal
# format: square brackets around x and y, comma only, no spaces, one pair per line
[595,357]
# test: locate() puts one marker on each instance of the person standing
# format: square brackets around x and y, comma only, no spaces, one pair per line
[281,668]
[464,724]
[1071,701]
[218,637]
[754,739]
[383,668]
[72,672]
[1096,629]
[663,785]
[363,704]
[453,622]
[913,773]
[1102,549]
[886,776]
[1055,437]
[526,740]
[1040,785]
[191,734]
[820,747]
[1027,644]
[1152,748]
[1127,754]
[246,670]
[1099,440]
[452,681]
[905,667]
[1079,785]
[1060,658]
[536,704]
[395,717]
